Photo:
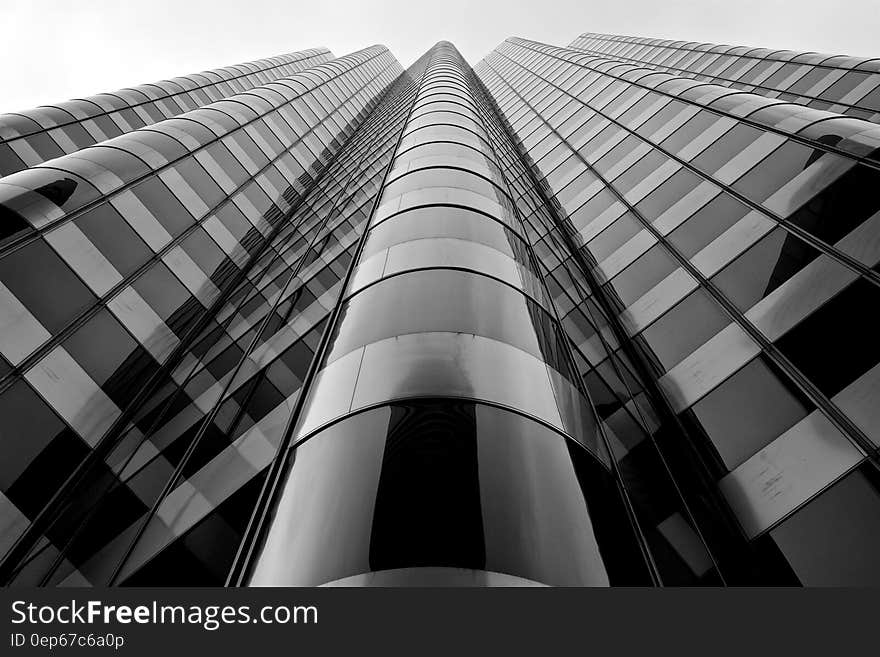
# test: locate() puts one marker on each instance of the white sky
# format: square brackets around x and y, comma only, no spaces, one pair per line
[53,50]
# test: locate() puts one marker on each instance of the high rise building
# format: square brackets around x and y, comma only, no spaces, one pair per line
[589,315]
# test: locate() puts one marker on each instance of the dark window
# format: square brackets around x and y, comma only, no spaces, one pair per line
[842,205]
[764,267]
[247,144]
[837,343]
[775,170]
[613,237]
[45,285]
[150,110]
[806,82]
[755,71]
[616,154]
[639,171]
[44,145]
[107,126]
[667,194]
[100,346]
[275,177]
[833,540]
[693,128]
[750,410]
[871,101]
[289,370]
[226,361]
[684,328]
[204,251]
[597,204]
[258,398]
[722,62]
[844,85]
[204,554]
[30,429]
[107,230]
[604,400]
[706,224]
[173,105]
[78,135]
[9,161]
[260,200]
[661,118]
[235,222]
[639,107]
[726,147]
[12,224]
[563,171]
[132,118]
[193,173]
[169,212]
[773,82]
[648,270]
[611,108]
[111,357]
[167,296]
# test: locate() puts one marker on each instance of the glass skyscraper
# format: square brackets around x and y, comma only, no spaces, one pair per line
[579,316]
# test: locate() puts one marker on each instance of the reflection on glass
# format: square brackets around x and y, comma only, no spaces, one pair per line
[445,484]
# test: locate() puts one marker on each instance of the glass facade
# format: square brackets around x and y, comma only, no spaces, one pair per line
[583,316]
[34,136]
[837,83]
[722,257]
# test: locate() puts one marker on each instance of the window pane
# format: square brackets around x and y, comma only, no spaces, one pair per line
[613,237]
[651,268]
[39,450]
[764,267]
[45,285]
[110,356]
[834,540]
[668,193]
[775,170]
[842,205]
[689,131]
[725,148]
[684,328]
[107,230]
[164,205]
[706,224]
[838,342]
[749,410]
[193,173]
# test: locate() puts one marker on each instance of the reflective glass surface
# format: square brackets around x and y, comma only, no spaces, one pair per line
[585,315]
[440,484]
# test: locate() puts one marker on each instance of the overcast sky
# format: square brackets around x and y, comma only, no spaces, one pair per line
[53,50]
